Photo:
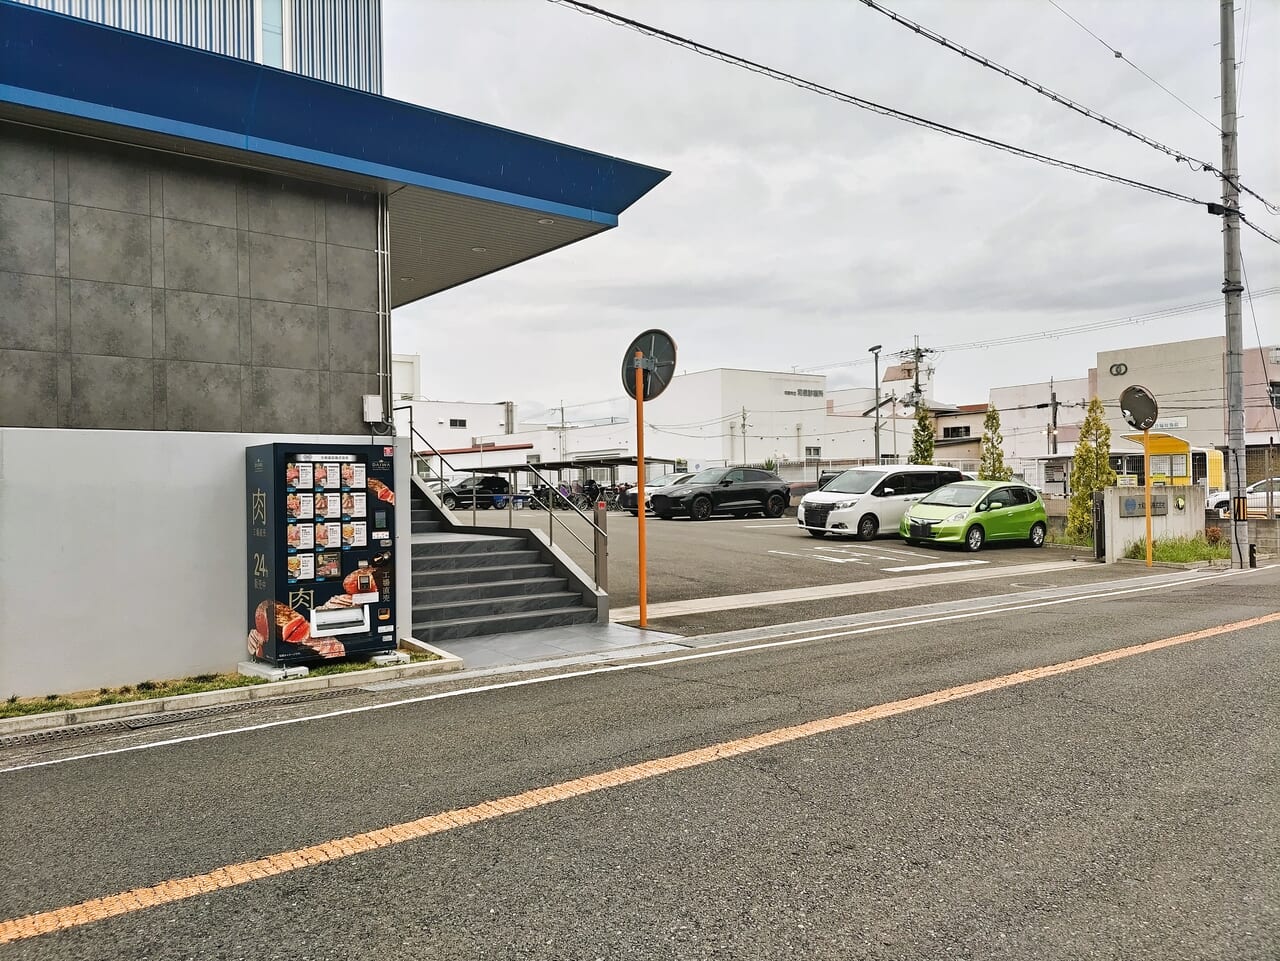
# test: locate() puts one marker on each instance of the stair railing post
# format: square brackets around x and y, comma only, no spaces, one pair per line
[475,499]
[602,546]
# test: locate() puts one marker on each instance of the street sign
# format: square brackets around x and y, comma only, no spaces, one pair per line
[1139,408]
[658,363]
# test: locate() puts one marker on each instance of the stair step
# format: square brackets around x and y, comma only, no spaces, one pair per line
[446,562]
[442,577]
[433,631]
[472,545]
[426,527]
[494,606]
[470,590]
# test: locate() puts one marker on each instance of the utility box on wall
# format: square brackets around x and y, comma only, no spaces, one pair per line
[321,551]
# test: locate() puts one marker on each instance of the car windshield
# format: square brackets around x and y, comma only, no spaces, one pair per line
[662,481]
[956,495]
[854,482]
[709,476]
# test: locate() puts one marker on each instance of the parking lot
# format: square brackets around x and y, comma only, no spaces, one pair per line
[789,574]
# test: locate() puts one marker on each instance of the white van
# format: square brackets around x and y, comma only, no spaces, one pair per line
[866,500]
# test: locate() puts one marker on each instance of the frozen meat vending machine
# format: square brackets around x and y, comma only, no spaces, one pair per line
[321,551]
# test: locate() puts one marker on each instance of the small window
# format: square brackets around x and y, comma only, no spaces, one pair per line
[813,452]
[949,477]
[1275,394]
[736,476]
[921,482]
[457,422]
[894,482]
[1022,495]
[758,475]
[953,432]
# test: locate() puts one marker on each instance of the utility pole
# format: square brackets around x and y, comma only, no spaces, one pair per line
[1053,423]
[876,352]
[744,435]
[1231,290]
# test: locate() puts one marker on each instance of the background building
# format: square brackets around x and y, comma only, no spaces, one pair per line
[335,40]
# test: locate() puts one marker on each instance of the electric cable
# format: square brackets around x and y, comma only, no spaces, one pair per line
[1120,56]
[1180,156]
[863,103]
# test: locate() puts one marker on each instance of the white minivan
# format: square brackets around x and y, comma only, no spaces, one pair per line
[866,500]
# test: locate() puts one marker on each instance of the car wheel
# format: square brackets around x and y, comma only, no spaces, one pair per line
[1037,534]
[974,538]
[813,533]
[775,506]
[700,509]
[449,501]
[868,527]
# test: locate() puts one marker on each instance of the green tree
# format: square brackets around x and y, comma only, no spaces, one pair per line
[1090,472]
[992,466]
[922,437]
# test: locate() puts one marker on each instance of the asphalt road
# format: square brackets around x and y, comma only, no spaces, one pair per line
[1124,809]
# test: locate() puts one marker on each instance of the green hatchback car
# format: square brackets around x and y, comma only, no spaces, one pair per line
[974,512]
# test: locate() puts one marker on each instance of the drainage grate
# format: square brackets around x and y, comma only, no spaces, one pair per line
[171,717]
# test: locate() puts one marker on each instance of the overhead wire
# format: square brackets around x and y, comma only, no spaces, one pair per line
[862,102]
[1120,56]
[1180,156]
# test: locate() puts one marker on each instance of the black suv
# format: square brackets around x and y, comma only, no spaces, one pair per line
[484,491]
[740,491]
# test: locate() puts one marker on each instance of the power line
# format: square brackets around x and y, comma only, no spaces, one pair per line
[1120,56]
[1161,314]
[863,103]
[1262,354]
[1256,229]
[1180,156]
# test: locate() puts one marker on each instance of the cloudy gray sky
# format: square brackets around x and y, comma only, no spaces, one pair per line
[797,231]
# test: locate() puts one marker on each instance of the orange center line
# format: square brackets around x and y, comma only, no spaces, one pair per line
[232,875]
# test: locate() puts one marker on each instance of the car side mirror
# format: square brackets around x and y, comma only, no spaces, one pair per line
[726,482]
[982,507]
[887,492]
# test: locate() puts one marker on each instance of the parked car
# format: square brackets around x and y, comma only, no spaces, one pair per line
[863,501]
[827,476]
[484,491]
[1256,494]
[975,512]
[724,490]
[652,485]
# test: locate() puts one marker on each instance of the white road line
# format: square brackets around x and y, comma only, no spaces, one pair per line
[906,622]
[766,526]
[931,567]
[817,557]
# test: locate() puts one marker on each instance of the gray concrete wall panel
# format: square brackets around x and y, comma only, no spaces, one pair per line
[202,327]
[203,396]
[26,170]
[96,178]
[285,335]
[199,197]
[28,315]
[111,319]
[275,209]
[28,388]
[282,268]
[119,391]
[201,257]
[284,401]
[26,235]
[111,246]
[176,295]
[352,278]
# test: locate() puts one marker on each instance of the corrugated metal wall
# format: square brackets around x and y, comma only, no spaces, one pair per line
[335,40]
[357,62]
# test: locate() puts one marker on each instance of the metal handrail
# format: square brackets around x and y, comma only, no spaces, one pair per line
[598,550]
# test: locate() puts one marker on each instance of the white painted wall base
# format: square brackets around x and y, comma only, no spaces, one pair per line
[1123,531]
[122,555]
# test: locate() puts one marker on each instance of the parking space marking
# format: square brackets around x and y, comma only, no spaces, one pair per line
[341,848]
[819,557]
[932,567]
[876,552]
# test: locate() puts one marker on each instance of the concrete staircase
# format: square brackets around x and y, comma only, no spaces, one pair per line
[471,582]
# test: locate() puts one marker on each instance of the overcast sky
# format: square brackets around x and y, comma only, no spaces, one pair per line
[797,231]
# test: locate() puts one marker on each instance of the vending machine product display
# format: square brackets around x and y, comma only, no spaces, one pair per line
[321,551]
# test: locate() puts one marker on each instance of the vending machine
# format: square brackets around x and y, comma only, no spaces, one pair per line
[321,551]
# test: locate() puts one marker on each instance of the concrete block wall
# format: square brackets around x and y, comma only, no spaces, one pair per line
[143,291]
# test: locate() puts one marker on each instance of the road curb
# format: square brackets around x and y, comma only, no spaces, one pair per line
[29,723]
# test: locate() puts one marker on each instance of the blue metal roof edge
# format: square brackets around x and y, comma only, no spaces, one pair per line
[68,66]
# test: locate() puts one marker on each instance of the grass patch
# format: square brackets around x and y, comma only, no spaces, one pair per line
[15,706]
[1066,541]
[1179,550]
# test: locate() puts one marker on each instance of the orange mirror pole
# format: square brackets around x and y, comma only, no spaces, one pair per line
[644,600]
[1146,472]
